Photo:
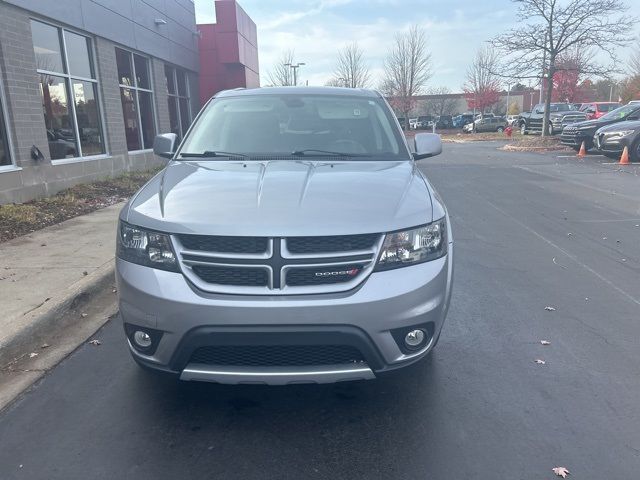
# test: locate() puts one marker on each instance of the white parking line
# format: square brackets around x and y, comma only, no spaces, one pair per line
[576,156]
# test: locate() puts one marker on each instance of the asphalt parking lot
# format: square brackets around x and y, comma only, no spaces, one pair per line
[531,231]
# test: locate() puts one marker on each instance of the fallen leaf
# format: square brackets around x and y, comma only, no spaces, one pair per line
[540,362]
[85,273]
[561,472]
[604,238]
[569,234]
[550,309]
[95,342]
[83,315]
[545,342]
[33,354]
[44,345]
[114,290]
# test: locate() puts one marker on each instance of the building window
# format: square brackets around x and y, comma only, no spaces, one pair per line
[5,159]
[69,92]
[136,95]
[179,104]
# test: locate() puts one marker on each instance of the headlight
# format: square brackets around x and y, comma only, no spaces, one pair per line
[151,249]
[621,133]
[409,247]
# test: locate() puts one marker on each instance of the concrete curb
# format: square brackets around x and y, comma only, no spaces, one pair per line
[51,317]
[515,148]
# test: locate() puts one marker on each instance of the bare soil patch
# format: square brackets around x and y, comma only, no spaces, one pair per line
[20,219]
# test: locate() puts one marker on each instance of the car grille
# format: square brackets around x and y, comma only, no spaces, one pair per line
[240,276]
[277,266]
[573,118]
[224,244]
[331,244]
[276,355]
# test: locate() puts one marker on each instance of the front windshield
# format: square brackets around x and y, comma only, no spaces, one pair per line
[620,113]
[276,125]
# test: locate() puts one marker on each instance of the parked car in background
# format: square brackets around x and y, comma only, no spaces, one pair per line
[413,123]
[425,122]
[444,121]
[487,124]
[612,139]
[460,121]
[573,135]
[597,109]
[512,120]
[561,115]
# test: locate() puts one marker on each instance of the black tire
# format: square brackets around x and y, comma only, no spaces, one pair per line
[523,129]
[500,129]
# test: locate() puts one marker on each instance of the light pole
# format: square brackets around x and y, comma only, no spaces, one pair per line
[611,85]
[295,68]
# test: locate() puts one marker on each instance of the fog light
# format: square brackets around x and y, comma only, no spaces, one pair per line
[415,338]
[142,339]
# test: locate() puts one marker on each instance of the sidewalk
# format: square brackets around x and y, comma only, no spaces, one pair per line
[44,274]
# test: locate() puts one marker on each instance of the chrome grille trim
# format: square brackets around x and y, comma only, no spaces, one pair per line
[277,261]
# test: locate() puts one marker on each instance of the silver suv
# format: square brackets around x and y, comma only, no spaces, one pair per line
[290,239]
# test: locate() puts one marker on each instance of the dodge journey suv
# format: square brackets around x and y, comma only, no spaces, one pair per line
[290,239]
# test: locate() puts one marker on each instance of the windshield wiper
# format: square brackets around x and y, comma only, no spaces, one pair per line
[211,154]
[323,153]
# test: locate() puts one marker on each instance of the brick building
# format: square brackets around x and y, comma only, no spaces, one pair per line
[85,85]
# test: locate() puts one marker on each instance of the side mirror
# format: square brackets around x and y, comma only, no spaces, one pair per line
[164,145]
[427,145]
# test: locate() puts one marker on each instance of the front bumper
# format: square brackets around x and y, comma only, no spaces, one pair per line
[575,138]
[609,143]
[366,317]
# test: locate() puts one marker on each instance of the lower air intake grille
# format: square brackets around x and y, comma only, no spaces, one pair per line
[241,276]
[276,355]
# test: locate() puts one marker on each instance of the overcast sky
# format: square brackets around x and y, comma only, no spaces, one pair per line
[316,29]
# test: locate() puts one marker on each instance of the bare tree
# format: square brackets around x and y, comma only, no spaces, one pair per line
[482,86]
[548,28]
[407,69]
[634,60]
[351,69]
[441,101]
[335,82]
[281,74]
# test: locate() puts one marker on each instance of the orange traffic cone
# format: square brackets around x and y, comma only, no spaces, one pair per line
[624,159]
[583,151]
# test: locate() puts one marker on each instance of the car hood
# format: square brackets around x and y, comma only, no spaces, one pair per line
[627,125]
[592,123]
[283,198]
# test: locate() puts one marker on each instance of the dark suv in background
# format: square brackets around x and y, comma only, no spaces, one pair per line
[573,135]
